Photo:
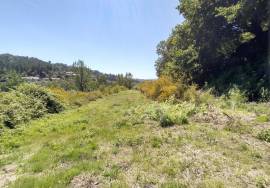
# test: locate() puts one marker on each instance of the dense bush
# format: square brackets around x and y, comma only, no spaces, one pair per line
[221,43]
[32,90]
[160,89]
[17,108]
[166,121]
[27,102]
[11,80]
[164,89]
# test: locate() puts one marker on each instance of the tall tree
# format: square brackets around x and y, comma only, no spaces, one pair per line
[83,75]
[222,43]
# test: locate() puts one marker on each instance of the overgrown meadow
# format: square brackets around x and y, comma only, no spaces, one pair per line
[124,139]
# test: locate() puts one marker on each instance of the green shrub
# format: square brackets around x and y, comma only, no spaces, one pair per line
[191,94]
[166,121]
[206,97]
[12,80]
[264,95]
[153,112]
[40,93]
[27,102]
[236,98]
[180,120]
[156,142]
[16,108]
[264,135]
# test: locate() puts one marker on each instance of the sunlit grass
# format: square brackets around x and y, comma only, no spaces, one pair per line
[101,143]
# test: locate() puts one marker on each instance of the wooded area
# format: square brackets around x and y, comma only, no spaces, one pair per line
[220,45]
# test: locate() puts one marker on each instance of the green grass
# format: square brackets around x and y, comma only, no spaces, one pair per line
[103,143]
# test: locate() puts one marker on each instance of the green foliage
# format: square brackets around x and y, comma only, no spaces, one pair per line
[34,91]
[125,81]
[263,118]
[264,135]
[9,81]
[264,95]
[93,146]
[16,108]
[165,113]
[28,101]
[236,98]
[156,142]
[222,43]
[166,121]
[83,76]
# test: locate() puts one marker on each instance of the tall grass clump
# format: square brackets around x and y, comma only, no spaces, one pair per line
[236,98]
[165,113]
[264,135]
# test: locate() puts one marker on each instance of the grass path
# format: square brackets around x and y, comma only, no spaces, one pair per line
[71,140]
[93,147]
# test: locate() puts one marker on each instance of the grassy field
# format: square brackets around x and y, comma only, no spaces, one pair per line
[97,145]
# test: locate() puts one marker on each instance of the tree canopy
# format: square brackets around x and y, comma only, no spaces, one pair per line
[221,43]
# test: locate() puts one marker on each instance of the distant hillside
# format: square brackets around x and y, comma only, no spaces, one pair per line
[30,66]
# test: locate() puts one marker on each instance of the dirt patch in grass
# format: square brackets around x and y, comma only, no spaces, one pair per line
[85,181]
[8,174]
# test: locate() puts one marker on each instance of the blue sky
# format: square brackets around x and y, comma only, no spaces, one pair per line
[112,36]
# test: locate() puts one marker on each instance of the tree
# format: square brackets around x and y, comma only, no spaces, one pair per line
[126,80]
[222,43]
[83,75]
[10,80]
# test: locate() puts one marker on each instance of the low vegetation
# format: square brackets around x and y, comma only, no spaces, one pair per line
[264,135]
[126,140]
[204,123]
[30,101]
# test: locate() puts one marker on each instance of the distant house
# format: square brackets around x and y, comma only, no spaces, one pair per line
[55,78]
[32,78]
[70,74]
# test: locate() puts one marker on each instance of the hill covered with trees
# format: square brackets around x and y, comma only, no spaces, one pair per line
[220,44]
[31,66]
[70,77]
